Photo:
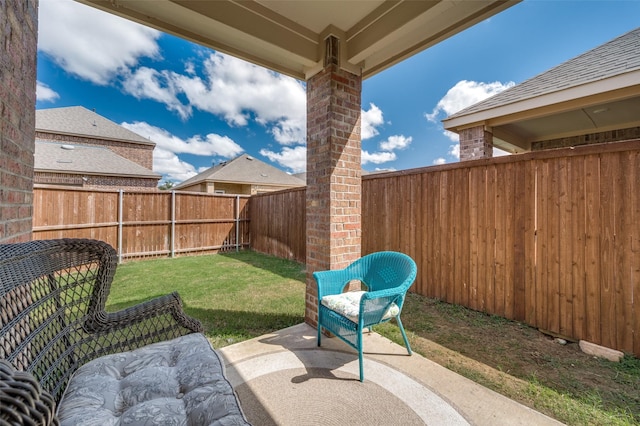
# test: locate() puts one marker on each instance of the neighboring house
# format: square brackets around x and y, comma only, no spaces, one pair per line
[77,147]
[243,175]
[593,98]
[86,166]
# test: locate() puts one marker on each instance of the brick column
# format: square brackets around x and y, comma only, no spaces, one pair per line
[333,175]
[475,143]
[18,46]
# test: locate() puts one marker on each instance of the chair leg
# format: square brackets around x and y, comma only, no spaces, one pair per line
[319,333]
[360,355]
[404,335]
[360,360]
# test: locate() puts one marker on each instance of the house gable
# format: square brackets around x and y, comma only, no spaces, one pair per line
[242,175]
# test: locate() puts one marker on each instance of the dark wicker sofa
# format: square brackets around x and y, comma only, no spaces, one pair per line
[148,360]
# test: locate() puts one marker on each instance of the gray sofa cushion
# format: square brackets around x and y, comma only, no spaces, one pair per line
[177,382]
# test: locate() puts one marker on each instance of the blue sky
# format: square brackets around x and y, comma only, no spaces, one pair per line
[201,107]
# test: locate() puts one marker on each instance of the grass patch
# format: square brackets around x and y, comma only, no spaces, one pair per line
[236,296]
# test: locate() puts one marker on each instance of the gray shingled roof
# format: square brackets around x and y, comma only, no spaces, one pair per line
[80,121]
[616,57]
[244,169]
[67,158]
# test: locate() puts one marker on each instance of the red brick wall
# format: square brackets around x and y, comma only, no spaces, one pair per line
[333,175]
[591,138]
[18,47]
[141,154]
[96,182]
[475,143]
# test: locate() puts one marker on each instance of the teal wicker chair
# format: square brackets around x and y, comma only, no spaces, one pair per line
[385,276]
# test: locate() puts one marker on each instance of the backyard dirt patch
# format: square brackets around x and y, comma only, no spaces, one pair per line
[509,356]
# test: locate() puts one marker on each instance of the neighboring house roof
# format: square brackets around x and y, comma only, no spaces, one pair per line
[80,121]
[243,169]
[596,91]
[83,159]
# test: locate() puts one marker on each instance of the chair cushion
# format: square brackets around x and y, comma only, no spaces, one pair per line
[177,382]
[348,305]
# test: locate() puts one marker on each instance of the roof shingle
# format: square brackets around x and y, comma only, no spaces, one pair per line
[244,169]
[80,121]
[66,158]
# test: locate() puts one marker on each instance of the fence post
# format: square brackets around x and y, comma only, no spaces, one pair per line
[237,223]
[173,224]
[120,220]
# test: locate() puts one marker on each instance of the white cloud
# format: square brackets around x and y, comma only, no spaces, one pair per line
[439,161]
[233,89]
[45,93]
[396,142]
[377,157]
[169,165]
[463,94]
[211,145]
[370,120]
[292,158]
[168,146]
[451,135]
[92,44]
[190,68]
[454,151]
[147,83]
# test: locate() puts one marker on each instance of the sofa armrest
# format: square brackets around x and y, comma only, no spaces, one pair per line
[22,400]
[156,320]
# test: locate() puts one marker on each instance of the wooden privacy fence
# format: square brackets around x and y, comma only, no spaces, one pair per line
[548,238]
[143,224]
[278,223]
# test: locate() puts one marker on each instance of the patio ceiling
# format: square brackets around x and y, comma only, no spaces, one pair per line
[288,36]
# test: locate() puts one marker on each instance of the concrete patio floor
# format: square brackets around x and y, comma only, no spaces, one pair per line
[284,378]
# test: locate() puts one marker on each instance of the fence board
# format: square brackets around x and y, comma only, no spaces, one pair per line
[623,252]
[526,205]
[446,235]
[578,253]
[593,260]
[460,210]
[564,322]
[505,244]
[489,250]
[608,166]
[635,249]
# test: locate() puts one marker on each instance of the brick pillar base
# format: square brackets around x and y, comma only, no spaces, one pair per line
[476,143]
[18,45]
[333,175]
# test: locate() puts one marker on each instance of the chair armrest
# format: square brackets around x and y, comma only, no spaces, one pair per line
[159,319]
[375,304]
[22,400]
[332,282]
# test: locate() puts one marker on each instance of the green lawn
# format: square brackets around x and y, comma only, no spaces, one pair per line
[236,297]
